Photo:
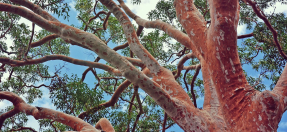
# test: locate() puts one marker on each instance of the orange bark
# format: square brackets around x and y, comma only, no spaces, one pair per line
[230,103]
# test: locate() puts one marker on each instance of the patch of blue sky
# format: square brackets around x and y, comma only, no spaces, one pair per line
[81,53]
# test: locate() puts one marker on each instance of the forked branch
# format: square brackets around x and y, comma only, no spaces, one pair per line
[268,24]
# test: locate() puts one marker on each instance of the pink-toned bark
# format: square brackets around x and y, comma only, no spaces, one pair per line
[230,103]
[44,113]
[107,68]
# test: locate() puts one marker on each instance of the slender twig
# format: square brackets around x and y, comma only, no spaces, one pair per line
[198,67]
[245,36]
[261,15]
[164,122]
[29,45]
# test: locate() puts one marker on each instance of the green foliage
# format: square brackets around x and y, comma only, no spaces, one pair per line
[72,96]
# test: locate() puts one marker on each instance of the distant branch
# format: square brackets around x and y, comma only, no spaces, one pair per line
[260,14]
[23,128]
[131,36]
[192,84]
[245,36]
[109,103]
[110,69]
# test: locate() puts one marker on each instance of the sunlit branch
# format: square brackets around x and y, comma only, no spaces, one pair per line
[35,8]
[110,69]
[281,87]
[132,38]
[45,113]
[151,87]
[137,63]
[168,29]
[268,24]
[104,125]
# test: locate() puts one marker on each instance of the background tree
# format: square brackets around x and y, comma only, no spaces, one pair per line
[204,31]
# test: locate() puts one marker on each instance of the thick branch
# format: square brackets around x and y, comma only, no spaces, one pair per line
[168,29]
[193,23]
[169,102]
[281,88]
[132,38]
[45,113]
[105,125]
[6,115]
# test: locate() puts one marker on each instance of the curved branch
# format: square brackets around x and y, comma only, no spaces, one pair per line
[105,125]
[111,102]
[44,40]
[6,115]
[92,18]
[35,8]
[167,28]
[268,24]
[132,38]
[181,62]
[171,102]
[29,45]
[45,113]
[164,122]
[107,68]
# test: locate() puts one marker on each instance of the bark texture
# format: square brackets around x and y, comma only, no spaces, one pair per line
[230,103]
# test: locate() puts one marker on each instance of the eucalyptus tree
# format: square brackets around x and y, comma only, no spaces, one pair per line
[204,32]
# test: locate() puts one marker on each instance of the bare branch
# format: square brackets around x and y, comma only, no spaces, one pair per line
[110,69]
[192,84]
[105,125]
[268,24]
[23,128]
[111,102]
[245,36]
[44,40]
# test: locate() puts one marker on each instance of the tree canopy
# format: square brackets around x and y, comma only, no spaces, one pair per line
[139,76]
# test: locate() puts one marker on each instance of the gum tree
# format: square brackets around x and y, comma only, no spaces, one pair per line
[205,31]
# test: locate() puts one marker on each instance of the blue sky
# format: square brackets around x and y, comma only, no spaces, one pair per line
[80,53]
